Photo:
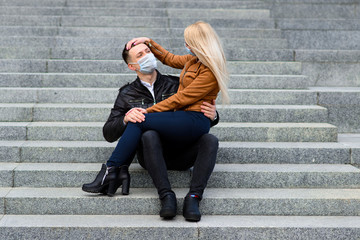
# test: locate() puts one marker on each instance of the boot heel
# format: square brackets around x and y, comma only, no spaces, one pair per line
[112,188]
[125,186]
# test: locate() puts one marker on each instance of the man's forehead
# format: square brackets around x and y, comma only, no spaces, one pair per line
[138,48]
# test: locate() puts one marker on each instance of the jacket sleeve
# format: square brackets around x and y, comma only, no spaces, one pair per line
[114,126]
[204,83]
[167,58]
[216,121]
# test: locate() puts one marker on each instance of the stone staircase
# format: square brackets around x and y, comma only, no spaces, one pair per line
[281,172]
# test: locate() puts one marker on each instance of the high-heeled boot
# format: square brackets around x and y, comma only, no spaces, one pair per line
[106,179]
[124,179]
[191,210]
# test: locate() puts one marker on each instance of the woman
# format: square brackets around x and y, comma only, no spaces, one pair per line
[178,119]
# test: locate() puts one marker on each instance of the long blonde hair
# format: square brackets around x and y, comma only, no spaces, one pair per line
[206,45]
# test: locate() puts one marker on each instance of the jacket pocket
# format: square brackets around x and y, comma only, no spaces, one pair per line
[137,102]
[165,96]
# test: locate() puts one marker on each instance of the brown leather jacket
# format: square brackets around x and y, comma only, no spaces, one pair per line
[197,83]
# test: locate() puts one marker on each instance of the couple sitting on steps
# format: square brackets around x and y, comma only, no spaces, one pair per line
[166,119]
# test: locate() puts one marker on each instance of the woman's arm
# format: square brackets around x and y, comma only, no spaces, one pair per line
[201,86]
[167,58]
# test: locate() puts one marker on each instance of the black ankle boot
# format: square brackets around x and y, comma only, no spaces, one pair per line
[105,181]
[168,206]
[191,210]
[124,179]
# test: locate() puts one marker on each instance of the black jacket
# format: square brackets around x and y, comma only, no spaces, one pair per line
[137,95]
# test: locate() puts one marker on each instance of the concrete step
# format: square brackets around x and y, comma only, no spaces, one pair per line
[303,24]
[343,105]
[331,68]
[353,141]
[136,21]
[74,80]
[108,95]
[316,9]
[216,201]
[10,112]
[244,132]
[126,32]
[326,40]
[114,42]
[117,66]
[229,152]
[142,12]
[224,176]
[142,4]
[247,52]
[138,227]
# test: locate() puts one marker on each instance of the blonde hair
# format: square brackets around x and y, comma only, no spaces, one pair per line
[206,45]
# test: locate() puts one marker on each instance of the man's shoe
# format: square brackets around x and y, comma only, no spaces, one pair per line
[168,206]
[191,210]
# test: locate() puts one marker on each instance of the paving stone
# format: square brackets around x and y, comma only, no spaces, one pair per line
[100,112]
[13,131]
[229,152]
[82,80]
[130,226]
[6,174]
[307,202]
[248,132]
[110,227]
[224,175]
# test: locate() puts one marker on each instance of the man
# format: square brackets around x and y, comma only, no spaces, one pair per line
[153,154]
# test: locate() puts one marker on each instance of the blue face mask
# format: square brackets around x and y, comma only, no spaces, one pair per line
[147,64]
[188,50]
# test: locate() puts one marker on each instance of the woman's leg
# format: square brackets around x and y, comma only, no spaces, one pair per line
[179,127]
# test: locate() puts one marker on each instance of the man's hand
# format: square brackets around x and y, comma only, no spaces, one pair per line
[135,115]
[136,41]
[209,110]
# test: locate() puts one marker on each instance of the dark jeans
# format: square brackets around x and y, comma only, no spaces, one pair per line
[157,156]
[180,128]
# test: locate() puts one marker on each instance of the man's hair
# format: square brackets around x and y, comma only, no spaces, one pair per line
[125,55]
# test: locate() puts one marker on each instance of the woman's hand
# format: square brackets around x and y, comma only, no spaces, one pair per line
[135,115]
[136,41]
[209,110]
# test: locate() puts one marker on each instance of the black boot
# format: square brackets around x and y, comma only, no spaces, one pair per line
[191,210]
[124,180]
[168,206]
[105,180]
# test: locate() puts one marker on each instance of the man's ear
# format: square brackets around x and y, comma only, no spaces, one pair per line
[131,67]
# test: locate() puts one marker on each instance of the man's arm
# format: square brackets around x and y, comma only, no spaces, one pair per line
[209,111]
[120,115]
[115,126]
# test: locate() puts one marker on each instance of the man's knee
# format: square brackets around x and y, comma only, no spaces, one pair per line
[209,140]
[149,137]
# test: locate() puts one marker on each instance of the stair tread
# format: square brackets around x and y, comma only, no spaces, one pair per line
[284,168]
[221,124]
[210,193]
[127,221]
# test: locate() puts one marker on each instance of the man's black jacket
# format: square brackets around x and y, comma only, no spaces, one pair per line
[137,95]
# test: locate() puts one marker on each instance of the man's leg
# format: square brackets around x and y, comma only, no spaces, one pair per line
[152,152]
[206,150]
[154,162]
[204,165]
